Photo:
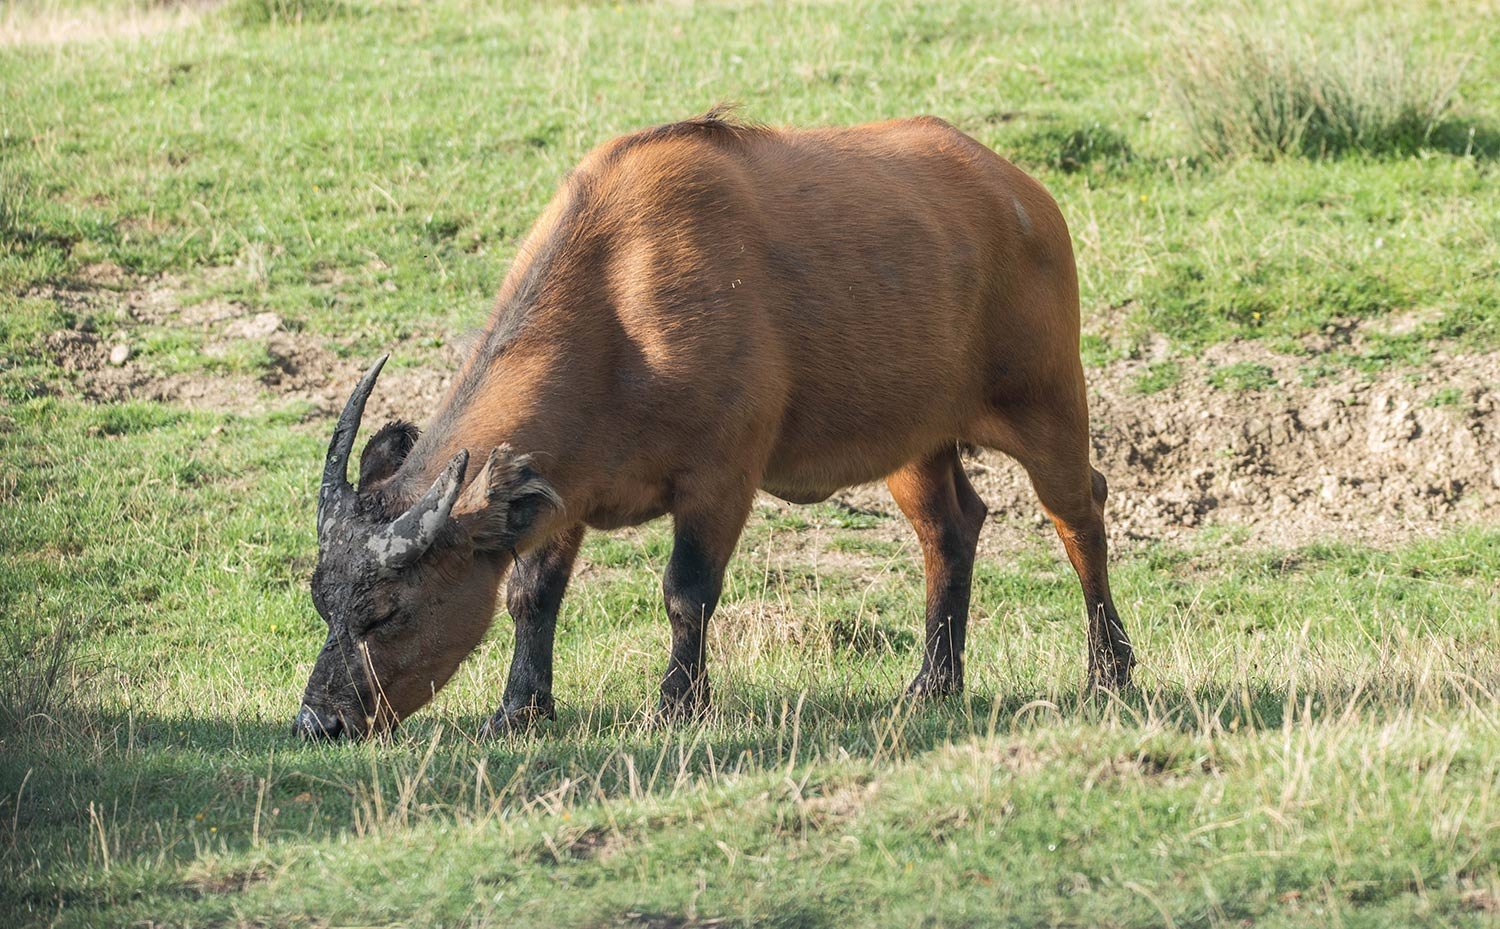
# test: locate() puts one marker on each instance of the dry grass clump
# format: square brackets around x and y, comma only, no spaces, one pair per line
[53,22]
[34,674]
[1271,89]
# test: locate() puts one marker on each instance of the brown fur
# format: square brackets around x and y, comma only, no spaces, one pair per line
[709,308]
[819,308]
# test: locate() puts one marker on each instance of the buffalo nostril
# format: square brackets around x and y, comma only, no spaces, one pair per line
[314,726]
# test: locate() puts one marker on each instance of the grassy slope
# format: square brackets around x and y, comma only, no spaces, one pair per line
[1316,728]
[1316,734]
[412,147]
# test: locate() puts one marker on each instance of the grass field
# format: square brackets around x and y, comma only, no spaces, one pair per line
[1315,738]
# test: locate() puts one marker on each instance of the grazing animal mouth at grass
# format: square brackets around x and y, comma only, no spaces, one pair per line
[315,726]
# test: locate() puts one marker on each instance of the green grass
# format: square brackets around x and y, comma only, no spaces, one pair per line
[1315,737]
[1278,689]
[1447,397]
[1242,375]
[1158,376]
[391,198]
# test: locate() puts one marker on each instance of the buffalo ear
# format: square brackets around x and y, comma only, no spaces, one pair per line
[504,501]
[384,453]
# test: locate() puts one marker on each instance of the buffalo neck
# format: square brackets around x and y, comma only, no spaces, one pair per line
[536,376]
[511,400]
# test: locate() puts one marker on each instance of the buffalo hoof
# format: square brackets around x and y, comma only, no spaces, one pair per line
[518,719]
[934,685]
[689,705]
[1111,670]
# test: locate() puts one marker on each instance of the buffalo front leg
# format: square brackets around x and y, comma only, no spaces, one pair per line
[533,596]
[704,538]
[947,514]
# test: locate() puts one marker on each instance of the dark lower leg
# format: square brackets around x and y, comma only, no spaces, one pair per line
[690,588]
[1056,456]
[947,515]
[533,596]
[948,588]
[1110,654]
[1052,443]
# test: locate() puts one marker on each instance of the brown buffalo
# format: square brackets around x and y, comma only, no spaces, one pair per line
[705,309]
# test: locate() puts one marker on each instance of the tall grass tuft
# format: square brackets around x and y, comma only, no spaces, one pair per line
[281,12]
[1267,91]
[35,672]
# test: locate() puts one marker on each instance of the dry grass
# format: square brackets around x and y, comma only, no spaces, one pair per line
[38,673]
[1270,89]
[52,23]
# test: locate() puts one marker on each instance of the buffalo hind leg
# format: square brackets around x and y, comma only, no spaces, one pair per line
[947,514]
[1053,447]
[1081,528]
[537,584]
[704,537]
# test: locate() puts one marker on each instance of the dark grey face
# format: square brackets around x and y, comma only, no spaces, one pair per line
[340,695]
[395,634]
[357,598]
[406,597]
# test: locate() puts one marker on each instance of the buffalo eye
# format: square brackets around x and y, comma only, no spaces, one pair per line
[382,619]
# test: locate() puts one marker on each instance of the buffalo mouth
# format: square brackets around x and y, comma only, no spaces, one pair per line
[314,726]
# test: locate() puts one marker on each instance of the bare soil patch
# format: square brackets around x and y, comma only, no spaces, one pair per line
[1374,459]
[593,843]
[828,808]
[1369,457]
[227,882]
[296,367]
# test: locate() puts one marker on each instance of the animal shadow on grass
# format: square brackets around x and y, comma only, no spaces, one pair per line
[251,780]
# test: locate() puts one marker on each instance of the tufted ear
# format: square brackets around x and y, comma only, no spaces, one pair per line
[384,453]
[504,501]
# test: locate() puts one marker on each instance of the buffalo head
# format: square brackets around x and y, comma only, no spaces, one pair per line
[407,588]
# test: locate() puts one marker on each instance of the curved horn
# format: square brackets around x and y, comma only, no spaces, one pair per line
[400,543]
[336,465]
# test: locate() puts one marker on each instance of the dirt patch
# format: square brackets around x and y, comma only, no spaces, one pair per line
[835,806]
[227,882]
[1237,437]
[1146,765]
[1481,900]
[256,362]
[594,843]
[1016,757]
[824,808]
[1374,458]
